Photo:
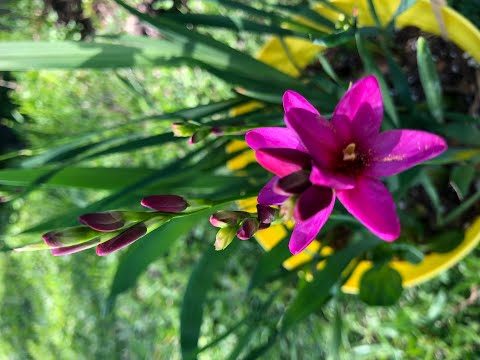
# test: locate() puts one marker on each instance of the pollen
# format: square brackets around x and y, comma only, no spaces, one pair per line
[349,152]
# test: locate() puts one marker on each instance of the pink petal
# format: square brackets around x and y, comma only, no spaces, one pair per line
[359,113]
[306,231]
[267,196]
[312,201]
[398,150]
[328,178]
[372,204]
[292,100]
[316,133]
[273,137]
[283,162]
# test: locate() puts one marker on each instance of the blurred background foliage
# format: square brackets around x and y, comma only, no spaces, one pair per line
[55,308]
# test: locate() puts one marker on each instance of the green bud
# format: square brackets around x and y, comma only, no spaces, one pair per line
[184,129]
[224,237]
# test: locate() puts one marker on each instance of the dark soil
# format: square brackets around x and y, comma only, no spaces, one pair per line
[458,72]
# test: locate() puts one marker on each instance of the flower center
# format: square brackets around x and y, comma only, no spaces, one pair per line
[353,159]
[349,152]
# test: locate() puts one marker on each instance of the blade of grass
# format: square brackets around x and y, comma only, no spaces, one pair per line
[429,79]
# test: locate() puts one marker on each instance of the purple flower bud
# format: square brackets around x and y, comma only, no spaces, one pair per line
[66,250]
[248,228]
[103,221]
[263,226]
[69,236]
[224,237]
[266,214]
[294,183]
[217,131]
[165,203]
[124,239]
[225,218]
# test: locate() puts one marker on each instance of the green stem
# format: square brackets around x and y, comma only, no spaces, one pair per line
[461,208]
[224,335]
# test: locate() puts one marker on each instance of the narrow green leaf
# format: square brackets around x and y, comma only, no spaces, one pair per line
[445,241]
[381,286]
[230,23]
[306,12]
[402,7]
[269,264]
[429,79]
[456,155]
[408,252]
[313,295]
[211,52]
[27,55]
[200,282]
[81,177]
[461,179]
[327,68]
[371,67]
[464,206]
[337,329]
[432,193]
[466,132]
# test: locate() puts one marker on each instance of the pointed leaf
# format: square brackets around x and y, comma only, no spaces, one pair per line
[381,285]
[429,79]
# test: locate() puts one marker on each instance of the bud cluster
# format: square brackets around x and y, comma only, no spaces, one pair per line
[110,231]
[240,223]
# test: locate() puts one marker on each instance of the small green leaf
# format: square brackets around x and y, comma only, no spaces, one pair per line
[429,79]
[461,178]
[381,286]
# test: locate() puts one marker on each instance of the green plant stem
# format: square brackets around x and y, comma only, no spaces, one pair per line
[461,209]
[227,333]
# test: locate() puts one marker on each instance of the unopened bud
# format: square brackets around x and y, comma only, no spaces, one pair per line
[224,237]
[248,228]
[165,203]
[266,214]
[199,135]
[263,226]
[67,250]
[104,221]
[69,236]
[124,239]
[183,129]
[217,131]
[223,218]
[294,183]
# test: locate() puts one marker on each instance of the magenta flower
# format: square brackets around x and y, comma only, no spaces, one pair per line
[316,160]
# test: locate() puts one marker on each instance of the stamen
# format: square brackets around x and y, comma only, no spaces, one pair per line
[349,153]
